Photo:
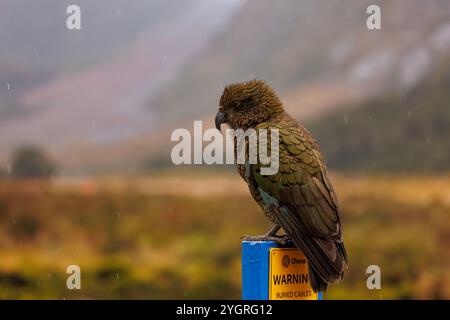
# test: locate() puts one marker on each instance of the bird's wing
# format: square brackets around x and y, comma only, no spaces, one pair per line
[303,200]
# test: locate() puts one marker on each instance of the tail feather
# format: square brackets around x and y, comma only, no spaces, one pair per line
[317,284]
[327,258]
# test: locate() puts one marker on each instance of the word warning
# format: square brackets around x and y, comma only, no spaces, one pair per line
[288,275]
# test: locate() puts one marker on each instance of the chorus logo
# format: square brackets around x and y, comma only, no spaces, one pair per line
[285,261]
[242,147]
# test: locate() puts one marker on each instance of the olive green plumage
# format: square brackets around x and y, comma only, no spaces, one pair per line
[299,197]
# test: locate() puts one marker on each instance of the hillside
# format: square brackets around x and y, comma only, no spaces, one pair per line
[309,50]
[320,58]
[106,98]
[393,132]
[38,46]
[75,93]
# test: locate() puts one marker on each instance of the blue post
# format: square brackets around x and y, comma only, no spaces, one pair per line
[274,271]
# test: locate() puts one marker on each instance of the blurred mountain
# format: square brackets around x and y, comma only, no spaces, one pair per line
[394,132]
[75,92]
[321,57]
[108,97]
[317,53]
[38,46]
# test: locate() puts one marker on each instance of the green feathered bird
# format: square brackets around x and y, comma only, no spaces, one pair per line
[299,198]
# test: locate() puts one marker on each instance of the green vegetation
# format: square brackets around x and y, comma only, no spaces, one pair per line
[178,237]
[393,133]
[30,162]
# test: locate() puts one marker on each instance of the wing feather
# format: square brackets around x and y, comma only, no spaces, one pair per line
[304,203]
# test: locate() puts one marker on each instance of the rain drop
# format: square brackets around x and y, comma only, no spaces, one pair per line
[346,119]
[8,87]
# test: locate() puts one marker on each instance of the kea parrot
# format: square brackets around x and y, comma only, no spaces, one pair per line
[299,198]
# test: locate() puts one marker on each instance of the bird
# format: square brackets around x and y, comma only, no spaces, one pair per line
[299,198]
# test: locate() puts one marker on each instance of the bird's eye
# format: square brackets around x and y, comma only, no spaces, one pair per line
[233,105]
[246,102]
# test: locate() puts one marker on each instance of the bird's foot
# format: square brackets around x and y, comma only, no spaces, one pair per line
[278,239]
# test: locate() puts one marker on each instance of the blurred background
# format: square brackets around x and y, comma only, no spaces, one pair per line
[86,117]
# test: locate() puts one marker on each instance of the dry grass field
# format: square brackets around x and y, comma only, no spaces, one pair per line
[176,235]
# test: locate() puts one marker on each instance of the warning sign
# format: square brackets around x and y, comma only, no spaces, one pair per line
[288,275]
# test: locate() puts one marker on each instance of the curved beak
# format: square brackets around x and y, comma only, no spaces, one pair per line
[220,118]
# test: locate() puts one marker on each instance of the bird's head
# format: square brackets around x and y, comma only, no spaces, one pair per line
[246,104]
